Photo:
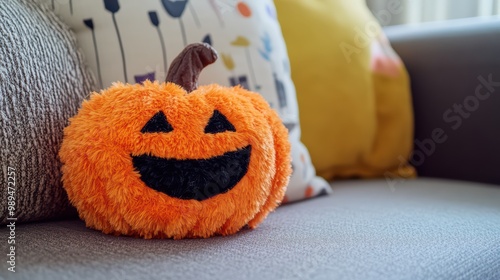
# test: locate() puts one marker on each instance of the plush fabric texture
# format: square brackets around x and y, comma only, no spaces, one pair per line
[198,179]
[352,89]
[42,83]
[420,229]
[131,41]
[178,181]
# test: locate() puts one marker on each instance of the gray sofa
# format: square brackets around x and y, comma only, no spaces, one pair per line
[443,225]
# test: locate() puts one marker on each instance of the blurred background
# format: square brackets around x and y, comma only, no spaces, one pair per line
[395,12]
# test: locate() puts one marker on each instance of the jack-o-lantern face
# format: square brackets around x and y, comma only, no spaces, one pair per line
[193,178]
[173,160]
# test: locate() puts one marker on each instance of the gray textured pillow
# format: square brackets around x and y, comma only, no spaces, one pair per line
[42,83]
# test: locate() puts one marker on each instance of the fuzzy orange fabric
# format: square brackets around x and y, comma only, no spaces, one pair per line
[108,192]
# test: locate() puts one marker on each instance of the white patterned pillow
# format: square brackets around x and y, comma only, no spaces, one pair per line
[131,41]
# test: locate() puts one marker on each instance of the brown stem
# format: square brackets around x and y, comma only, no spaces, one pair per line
[186,67]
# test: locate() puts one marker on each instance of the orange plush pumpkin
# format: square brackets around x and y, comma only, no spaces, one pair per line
[170,160]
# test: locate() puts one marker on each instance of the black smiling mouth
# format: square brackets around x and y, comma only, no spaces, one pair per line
[198,179]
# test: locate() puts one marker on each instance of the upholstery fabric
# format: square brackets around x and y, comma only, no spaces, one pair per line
[131,41]
[415,229]
[456,94]
[42,83]
[352,89]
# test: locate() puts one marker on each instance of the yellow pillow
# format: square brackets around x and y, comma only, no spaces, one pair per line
[353,90]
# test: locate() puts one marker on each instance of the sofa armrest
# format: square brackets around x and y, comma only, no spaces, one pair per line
[455,72]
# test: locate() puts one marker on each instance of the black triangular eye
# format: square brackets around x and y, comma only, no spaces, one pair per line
[158,123]
[218,123]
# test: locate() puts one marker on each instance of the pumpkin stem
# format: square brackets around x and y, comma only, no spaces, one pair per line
[187,66]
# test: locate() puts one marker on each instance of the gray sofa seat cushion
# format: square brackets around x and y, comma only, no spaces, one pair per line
[419,229]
